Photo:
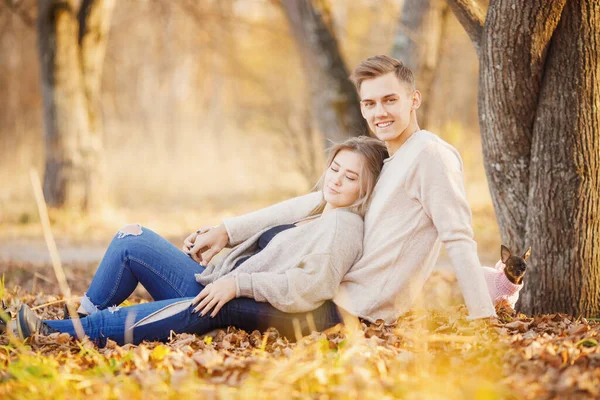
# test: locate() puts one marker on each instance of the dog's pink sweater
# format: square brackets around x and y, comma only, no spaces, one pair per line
[499,286]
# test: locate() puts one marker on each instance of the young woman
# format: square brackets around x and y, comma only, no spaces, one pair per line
[277,275]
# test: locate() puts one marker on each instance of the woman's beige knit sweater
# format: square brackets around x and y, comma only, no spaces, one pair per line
[300,268]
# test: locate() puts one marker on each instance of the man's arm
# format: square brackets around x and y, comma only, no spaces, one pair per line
[286,212]
[204,244]
[441,190]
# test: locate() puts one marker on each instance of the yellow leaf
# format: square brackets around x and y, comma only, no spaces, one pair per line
[588,342]
[159,352]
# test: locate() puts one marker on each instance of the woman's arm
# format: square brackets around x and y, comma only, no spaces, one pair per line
[296,290]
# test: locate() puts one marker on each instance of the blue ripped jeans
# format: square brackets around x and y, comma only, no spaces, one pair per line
[138,255]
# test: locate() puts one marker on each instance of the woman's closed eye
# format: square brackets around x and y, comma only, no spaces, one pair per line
[350,178]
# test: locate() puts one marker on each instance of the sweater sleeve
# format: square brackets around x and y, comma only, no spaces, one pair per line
[286,212]
[315,279]
[440,188]
[298,289]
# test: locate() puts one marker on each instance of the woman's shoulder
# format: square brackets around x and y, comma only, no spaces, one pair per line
[344,216]
[345,224]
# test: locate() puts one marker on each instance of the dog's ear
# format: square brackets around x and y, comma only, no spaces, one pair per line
[504,253]
[527,254]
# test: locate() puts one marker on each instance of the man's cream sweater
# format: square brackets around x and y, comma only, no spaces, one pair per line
[419,202]
[300,268]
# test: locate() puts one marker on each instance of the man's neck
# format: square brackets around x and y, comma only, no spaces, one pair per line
[394,146]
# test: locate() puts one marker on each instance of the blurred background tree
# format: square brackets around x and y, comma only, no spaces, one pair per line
[334,101]
[72,42]
[418,44]
[206,105]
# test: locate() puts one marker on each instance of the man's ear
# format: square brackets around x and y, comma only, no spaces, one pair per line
[416,100]
[527,254]
[504,253]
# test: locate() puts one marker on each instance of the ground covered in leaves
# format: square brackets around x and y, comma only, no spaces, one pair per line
[428,354]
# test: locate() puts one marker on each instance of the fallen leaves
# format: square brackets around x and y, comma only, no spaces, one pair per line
[433,353]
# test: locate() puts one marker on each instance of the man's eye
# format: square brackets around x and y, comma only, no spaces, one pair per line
[391,100]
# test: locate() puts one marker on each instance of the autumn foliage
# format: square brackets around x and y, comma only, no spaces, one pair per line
[433,353]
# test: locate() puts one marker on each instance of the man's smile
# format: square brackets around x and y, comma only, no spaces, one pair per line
[383,124]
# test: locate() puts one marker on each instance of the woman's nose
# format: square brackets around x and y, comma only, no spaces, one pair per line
[337,179]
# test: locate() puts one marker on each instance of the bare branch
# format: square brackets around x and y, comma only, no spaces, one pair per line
[471,16]
[17,8]
[84,10]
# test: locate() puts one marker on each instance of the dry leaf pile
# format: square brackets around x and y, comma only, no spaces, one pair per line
[428,354]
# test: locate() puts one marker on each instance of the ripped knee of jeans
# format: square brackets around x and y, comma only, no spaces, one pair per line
[113,309]
[130,230]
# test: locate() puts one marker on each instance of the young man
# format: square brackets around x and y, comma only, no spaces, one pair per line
[419,202]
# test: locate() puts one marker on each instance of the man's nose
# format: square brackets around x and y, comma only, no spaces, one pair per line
[380,110]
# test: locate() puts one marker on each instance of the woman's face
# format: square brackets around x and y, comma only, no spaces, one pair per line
[341,186]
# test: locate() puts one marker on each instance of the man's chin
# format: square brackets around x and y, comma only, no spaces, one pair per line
[387,136]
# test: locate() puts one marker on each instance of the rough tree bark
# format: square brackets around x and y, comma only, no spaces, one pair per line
[418,43]
[334,101]
[540,125]
[71,48]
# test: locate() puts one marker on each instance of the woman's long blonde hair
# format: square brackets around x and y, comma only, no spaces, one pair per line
[373,152]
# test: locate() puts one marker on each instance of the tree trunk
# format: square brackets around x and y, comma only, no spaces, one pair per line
[418,44]
[334,101]
[563,213]
[539,122]
[71,50]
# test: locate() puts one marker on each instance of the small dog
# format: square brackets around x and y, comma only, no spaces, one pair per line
[515,266]
[505,280]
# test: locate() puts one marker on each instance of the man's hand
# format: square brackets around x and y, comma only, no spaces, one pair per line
[216,295]
[205,243]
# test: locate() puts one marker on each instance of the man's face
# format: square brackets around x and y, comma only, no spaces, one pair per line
[386,104]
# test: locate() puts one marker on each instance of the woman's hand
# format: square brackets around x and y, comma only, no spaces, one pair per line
[189,241]
[216,295]
[205,243]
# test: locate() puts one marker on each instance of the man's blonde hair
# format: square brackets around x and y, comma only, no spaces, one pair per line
[373,152]
[376,66]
